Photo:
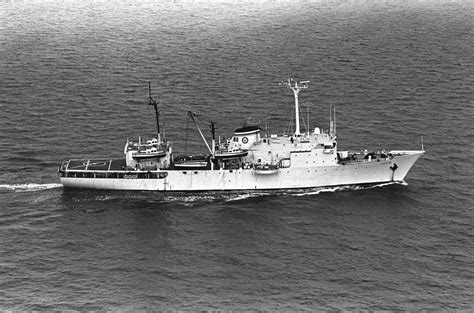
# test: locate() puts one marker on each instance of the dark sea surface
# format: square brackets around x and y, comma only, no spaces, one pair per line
[74,83]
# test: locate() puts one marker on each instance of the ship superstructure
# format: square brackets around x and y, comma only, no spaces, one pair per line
[249,160]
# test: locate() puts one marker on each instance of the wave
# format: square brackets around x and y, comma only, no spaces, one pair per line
[246,196]
[29,187]
[316,191]
[309,191]
[231,196]
[297,192]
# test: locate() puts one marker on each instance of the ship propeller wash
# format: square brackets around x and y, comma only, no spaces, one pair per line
[249,160]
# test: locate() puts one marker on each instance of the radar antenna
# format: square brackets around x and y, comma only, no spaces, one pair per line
[296,87]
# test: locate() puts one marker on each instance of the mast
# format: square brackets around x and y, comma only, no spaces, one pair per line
[296,87]
[154,103]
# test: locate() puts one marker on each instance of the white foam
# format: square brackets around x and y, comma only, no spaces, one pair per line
[189,200]
[343,188]
[245,196]
[29,187]
[317,192]
[403,183]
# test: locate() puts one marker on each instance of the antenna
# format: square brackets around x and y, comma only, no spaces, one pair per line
[330,120]
[154,103]
[296,87]
[307,104]
[307,115]
[266,123]
[422,148]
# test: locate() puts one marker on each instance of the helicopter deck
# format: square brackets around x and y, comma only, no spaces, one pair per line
[94,165]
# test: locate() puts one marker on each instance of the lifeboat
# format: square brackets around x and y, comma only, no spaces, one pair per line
[152,153]
[191,165]
[266,169]
[230,154]
[191,162]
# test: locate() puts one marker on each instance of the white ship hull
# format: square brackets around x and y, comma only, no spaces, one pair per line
[365,172]
[247,161]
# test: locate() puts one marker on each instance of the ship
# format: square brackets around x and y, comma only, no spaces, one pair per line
[248,161]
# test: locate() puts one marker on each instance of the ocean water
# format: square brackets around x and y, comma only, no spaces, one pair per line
[73,83]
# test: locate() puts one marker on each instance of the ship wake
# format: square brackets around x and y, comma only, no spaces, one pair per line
[310,191]
[28,187]
[316,191]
